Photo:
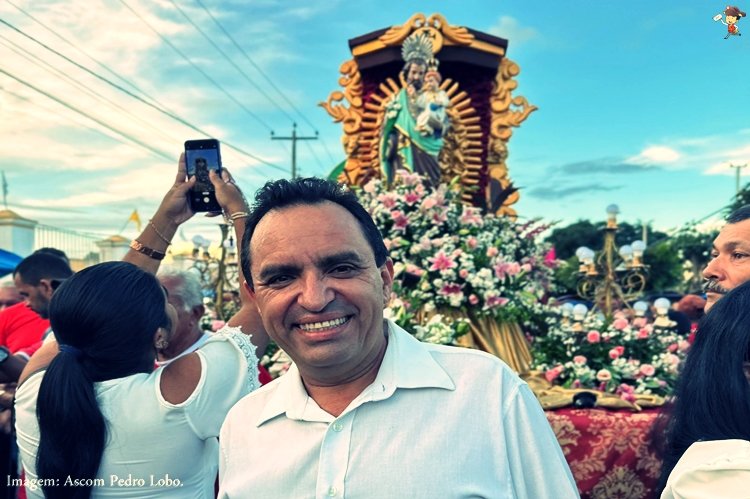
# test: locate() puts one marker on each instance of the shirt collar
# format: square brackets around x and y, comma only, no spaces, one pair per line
[407,364]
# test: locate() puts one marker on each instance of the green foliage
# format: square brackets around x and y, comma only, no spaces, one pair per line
[568,239]
[741,199]
[665,265]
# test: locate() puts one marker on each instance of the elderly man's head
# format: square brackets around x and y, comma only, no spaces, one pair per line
[37,277]
[318,269]
[186,296]
[730,257]
[9,296]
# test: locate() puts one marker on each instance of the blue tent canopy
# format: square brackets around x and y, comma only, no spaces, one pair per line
[8,262]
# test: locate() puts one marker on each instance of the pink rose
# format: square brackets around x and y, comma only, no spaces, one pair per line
[647,370]
[492,251]
[472,242]
[603,375]
[580,360]
[620,324]
[473,299]
[643,333]
[413,269]
[614,354]
[594,336]
[672,348]
[463,273]
[626,392]
[639,322]
[429,203]
[552,374]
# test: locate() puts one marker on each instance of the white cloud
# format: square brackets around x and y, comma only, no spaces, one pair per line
[509,28]
[656,155]
[737,156]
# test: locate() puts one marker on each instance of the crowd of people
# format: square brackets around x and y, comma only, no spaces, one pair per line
[121,394]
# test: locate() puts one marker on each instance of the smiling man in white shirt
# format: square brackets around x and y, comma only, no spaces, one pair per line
[367,410]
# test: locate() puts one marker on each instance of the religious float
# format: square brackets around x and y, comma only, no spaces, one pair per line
[427,110]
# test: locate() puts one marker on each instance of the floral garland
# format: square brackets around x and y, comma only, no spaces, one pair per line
[452,260]
[620,356]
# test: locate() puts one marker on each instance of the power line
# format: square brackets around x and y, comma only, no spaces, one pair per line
[315,156]
[99,63]
[92,118]
[330,156]
[81,86]
[228,59]
[64,116]
[197,68]
[258,68]
[294,138]
[162,110]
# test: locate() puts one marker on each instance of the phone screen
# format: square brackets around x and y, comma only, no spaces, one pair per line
[200,157]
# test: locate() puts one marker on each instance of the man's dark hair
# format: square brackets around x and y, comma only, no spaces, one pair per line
[740,214]
[54,251]
[42,265]
[712,396]
[283,193]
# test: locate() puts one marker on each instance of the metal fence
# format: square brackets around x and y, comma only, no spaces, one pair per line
[77,245]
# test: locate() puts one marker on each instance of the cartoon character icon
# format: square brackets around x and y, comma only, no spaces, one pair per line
[732,15]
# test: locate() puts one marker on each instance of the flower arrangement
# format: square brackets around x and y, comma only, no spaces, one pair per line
[620,356]
[451,259]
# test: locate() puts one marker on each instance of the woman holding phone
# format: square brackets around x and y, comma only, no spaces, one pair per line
[94,419]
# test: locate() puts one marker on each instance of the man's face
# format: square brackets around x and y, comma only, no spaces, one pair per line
[731,19]
[318,290]
[730,261]
[9,296]
[415,75]
[37,296]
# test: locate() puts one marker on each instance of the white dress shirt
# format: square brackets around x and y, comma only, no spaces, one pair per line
[711,470]
[437,422]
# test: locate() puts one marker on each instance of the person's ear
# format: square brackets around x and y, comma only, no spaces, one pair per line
[197,312]
[46,288]
[386,273]
[161,339]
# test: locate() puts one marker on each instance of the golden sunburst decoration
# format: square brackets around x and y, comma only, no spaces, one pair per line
[465,152]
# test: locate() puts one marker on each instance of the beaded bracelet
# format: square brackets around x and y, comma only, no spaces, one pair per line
[234,216]
[151,223]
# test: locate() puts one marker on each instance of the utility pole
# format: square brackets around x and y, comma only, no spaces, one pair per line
[738,168]
[294,138]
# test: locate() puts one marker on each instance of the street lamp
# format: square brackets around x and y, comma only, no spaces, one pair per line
[612,274]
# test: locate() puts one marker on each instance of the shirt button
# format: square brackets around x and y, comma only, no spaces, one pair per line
[337,427]
[332,491]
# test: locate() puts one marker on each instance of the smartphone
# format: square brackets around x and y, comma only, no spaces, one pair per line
[200,157]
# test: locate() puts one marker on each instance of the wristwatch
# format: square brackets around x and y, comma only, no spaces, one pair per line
[4,354]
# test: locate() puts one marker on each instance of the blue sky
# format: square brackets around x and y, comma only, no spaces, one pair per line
[640,105]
